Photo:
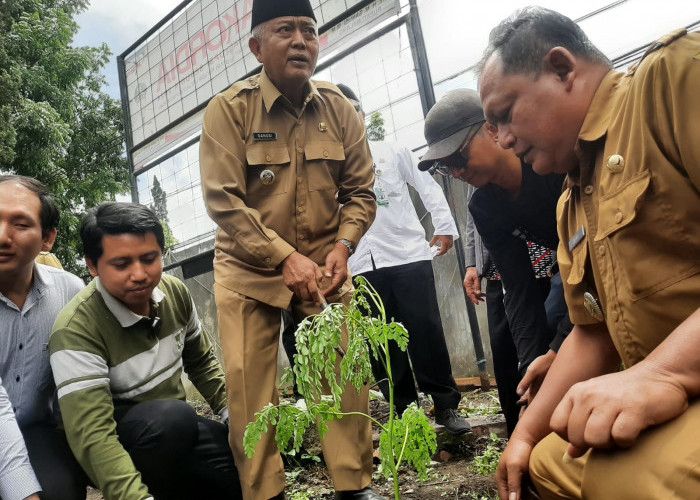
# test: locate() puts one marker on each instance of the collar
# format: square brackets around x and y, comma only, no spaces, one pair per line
[595,125]
[124,315]
[40,282]
[270,93]
[39,286]
[597,120]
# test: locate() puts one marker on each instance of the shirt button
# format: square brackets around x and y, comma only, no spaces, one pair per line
[601,250]
[268,158]
[301,236]
[268,260]
[325,154]
[300,151]
[588,189]
[21,346]
[17,378]
[300,210]
[618,217]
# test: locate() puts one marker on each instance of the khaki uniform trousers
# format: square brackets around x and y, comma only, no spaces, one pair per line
[664,464]
[249,332]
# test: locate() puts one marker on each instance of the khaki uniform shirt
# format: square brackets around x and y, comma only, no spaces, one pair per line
[276,181]
[629,222]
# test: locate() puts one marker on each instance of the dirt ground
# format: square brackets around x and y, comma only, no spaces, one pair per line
[453,472]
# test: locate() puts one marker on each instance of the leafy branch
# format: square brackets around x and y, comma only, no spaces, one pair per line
[333,356]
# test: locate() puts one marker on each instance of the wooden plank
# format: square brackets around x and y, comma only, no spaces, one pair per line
[471,383]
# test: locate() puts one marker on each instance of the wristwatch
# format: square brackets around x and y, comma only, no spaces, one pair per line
[347,243]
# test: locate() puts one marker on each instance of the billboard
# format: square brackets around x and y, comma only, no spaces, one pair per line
[204,48]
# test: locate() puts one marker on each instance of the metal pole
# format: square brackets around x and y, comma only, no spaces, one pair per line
[427,96]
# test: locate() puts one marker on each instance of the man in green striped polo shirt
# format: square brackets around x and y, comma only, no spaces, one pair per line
[118,351]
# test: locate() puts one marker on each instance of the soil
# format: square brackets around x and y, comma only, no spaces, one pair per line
[452,473]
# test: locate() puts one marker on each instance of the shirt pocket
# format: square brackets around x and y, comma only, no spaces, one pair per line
[263,158]
[323,163]
[641,239]
[573,260]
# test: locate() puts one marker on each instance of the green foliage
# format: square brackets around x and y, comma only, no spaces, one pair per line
[170,239]
[291,423]
[410,439]
[375,129]
[491,406]
[485,464]
[160,201]
[476,496]
[160,207]
[56,124]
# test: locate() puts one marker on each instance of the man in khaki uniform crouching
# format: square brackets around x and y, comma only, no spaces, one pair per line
[287,176]
[629,256]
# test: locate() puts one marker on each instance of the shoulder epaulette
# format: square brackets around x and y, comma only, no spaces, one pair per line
[664,41]
[241,86]
[327,86]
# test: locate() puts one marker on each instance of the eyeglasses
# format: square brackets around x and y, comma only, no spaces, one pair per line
[460,158]
[440,168]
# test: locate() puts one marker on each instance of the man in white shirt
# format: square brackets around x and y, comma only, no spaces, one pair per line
[395,258]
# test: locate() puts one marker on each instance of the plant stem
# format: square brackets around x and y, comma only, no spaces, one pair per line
[358,413]
[403,448]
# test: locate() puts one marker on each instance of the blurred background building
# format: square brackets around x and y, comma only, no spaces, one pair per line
[398,55]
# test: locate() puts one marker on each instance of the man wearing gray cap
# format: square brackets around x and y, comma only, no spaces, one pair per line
[514,211]
[287,176]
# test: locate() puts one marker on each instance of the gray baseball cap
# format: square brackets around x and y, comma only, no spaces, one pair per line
[448,123]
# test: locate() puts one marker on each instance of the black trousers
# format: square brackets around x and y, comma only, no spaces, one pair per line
[409,297]
[289,342]
[179,454]
[511,355]
[505,357]
[58,472]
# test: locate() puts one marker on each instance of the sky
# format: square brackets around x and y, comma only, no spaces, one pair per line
[119,24]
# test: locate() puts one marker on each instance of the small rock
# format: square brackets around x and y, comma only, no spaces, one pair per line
[445,455]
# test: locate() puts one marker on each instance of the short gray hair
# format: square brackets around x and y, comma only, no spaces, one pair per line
[259,31]
[522,40]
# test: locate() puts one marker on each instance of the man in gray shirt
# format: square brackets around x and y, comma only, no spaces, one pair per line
[31,296]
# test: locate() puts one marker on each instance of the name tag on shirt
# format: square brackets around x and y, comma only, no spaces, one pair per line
[264,136]
[577,238]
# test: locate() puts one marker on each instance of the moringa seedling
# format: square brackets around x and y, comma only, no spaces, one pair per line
[409,439]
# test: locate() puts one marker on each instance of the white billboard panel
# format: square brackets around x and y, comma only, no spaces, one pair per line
[168,141]
[204,48]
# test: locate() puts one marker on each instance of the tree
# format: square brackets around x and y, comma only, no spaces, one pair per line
[160,207]
[375,129]
[56,123]
[160,201]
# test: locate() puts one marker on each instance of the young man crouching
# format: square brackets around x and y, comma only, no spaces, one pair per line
[118,350]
